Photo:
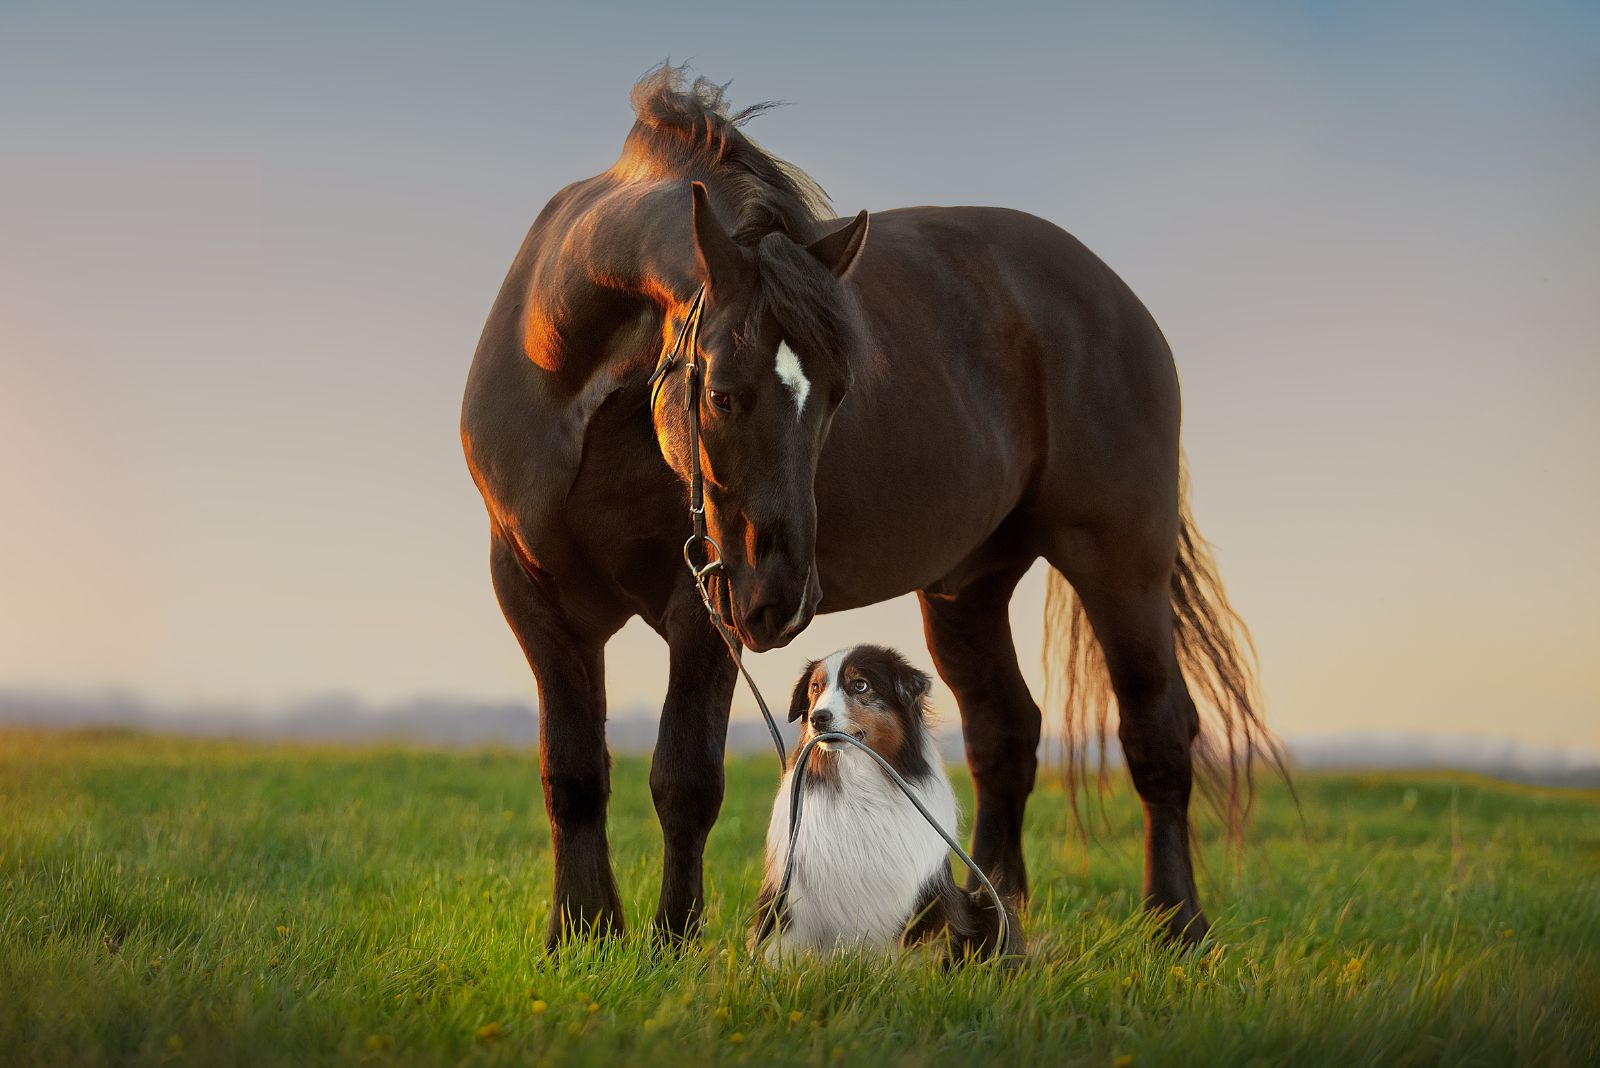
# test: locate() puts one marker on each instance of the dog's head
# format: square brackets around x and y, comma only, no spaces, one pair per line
[869,692]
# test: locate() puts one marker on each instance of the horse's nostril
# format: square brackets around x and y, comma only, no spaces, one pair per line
[772,617]
[768,618]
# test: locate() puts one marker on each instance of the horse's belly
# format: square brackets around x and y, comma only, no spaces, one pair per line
[911,483]
[911,540]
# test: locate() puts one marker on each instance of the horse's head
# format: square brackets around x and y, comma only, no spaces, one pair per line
[777,337]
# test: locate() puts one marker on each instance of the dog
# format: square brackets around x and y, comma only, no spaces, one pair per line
[870,874]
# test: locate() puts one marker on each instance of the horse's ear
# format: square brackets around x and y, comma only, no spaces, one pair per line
[800,701]
[838,250]
[721,261]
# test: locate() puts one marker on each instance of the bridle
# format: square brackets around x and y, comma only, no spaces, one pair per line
[690,332]
[686,350]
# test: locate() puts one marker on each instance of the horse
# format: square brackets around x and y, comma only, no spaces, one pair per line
[926,399]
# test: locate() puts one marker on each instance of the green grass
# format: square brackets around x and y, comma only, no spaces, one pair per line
[169,901]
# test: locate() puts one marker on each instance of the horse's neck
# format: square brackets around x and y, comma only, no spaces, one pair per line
[599,287]
[616,281]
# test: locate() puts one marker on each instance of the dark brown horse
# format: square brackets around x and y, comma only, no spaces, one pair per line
[929,407]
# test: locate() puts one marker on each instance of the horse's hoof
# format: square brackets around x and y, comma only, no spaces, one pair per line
[674,935]
[568,926]
[1185,927]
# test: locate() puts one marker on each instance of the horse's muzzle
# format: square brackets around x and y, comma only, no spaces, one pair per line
[774,621]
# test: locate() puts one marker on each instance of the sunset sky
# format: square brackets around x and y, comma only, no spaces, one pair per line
[245,256]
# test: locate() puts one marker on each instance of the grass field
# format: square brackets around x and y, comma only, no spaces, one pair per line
[178,902]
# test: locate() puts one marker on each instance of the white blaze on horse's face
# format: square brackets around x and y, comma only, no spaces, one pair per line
[793,376]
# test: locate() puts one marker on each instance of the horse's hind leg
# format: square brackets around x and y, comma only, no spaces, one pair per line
[573,763]
[1125,588]
[969,635]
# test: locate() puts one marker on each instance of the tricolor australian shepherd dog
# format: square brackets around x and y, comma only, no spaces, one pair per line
[869,873]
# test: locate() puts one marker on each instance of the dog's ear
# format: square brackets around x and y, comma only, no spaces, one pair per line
[800,702]
[911,688]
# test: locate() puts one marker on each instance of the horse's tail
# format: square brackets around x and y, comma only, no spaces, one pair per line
[1217,658]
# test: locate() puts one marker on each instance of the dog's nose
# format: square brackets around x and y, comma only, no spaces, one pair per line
[821,721]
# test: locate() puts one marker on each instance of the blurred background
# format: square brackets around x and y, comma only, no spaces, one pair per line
[245,253]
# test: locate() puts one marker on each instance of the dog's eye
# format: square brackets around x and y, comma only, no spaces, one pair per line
[815,686]
[859,686]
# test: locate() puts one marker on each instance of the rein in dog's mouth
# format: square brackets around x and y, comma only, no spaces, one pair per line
[829,746]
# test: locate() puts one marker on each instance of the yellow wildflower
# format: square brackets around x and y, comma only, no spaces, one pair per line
[736,1038]
[796,1016]
[379,1043]
[283,930]
[1122,1060]
[538,1007]
[491,1031]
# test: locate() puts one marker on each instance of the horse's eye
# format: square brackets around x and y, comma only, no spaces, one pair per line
[720,399]
[859,686]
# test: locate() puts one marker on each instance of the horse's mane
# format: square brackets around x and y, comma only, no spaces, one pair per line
[688,127]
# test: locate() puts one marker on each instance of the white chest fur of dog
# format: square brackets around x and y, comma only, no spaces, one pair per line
[864,857]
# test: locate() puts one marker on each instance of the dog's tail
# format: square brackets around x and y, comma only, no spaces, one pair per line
[1218,661]
[995,939]
[970,925]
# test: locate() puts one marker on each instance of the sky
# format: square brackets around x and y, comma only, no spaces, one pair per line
[246,252]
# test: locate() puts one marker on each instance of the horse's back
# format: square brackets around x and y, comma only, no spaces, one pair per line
[1045,333]
[1031,267]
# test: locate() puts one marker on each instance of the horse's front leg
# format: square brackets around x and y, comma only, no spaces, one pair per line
[686,776]
[573,763]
